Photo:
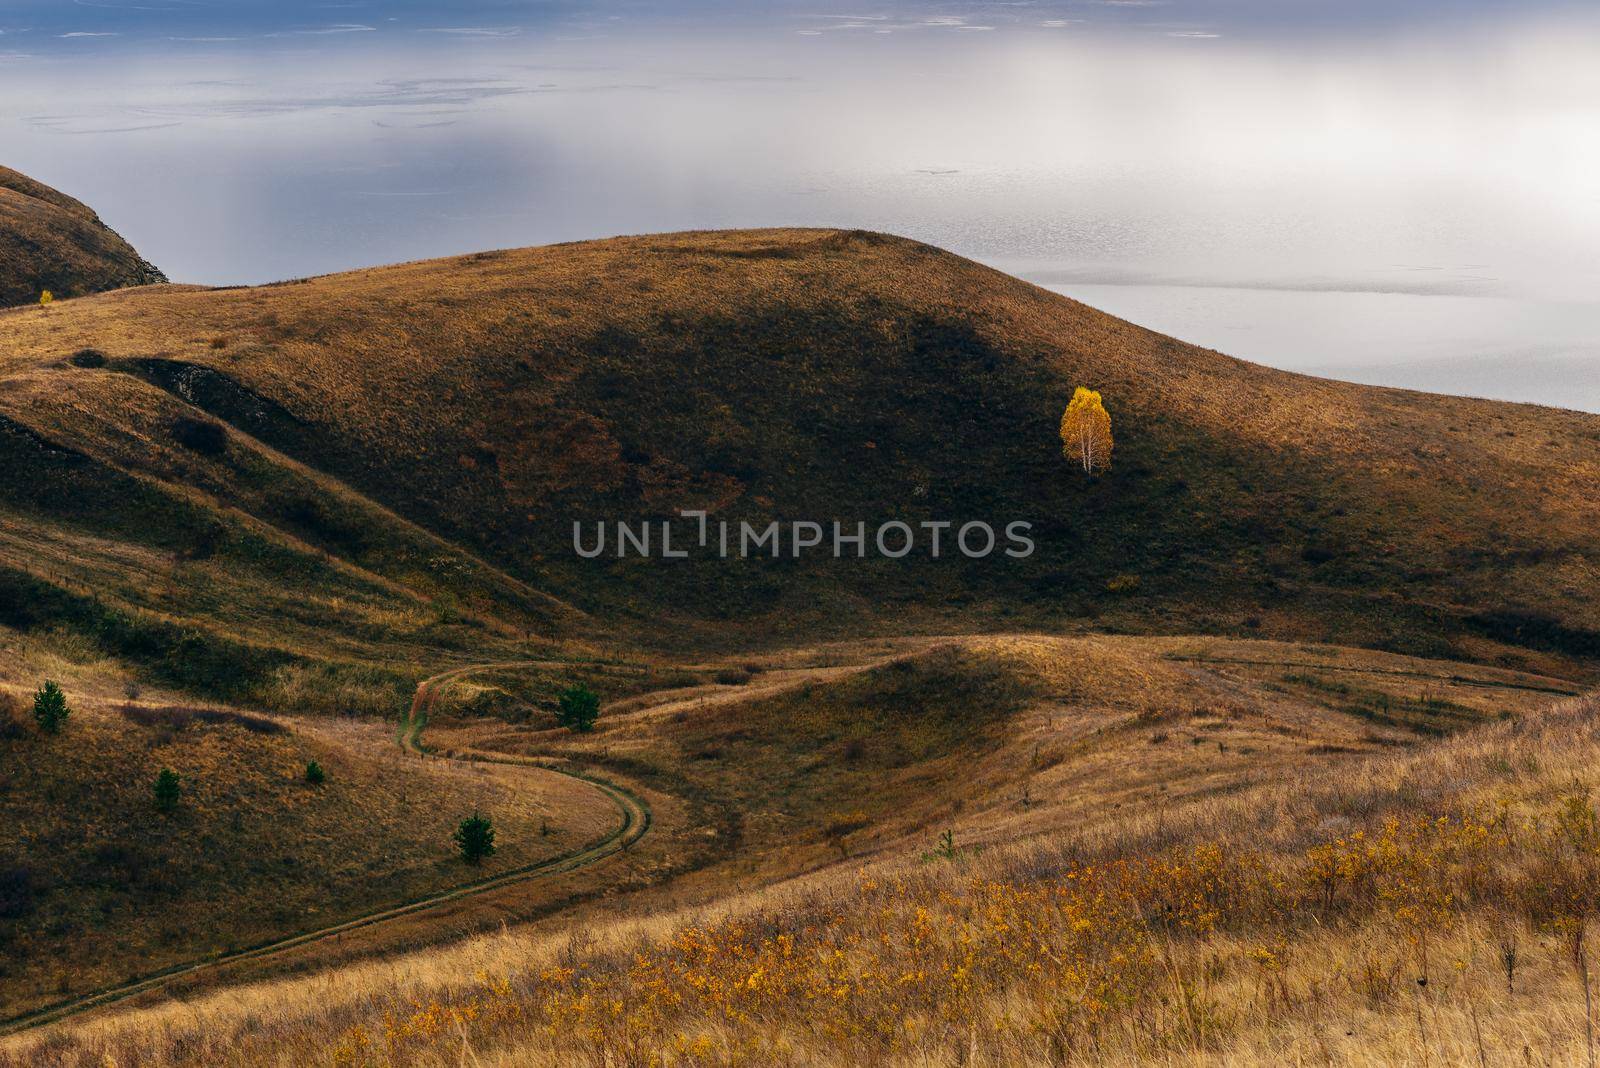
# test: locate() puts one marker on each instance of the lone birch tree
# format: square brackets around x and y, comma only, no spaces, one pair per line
[1086,431]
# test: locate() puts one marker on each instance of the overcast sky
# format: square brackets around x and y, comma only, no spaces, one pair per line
[1404,192]
[37,23]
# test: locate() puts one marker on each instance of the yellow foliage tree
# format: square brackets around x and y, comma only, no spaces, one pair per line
[46,297]
[1086,431]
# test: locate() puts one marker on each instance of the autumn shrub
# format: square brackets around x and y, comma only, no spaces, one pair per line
[1076,950]
[12,716]
[1557,890]
[673,680]
[182,717]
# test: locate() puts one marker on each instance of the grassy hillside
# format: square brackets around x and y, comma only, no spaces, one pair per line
[1259,735]
[842,750]
[1174,850]
[97,886]
[48,241]
[406,449]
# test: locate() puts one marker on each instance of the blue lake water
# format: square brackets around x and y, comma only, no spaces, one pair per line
[1400,193]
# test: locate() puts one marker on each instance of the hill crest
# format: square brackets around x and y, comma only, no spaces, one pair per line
[52,242]
[465,412]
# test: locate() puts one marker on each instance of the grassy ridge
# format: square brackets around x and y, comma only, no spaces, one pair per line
[50,241]
[227,545]
[488,401]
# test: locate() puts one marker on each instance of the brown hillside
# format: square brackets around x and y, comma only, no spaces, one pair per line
[97,885]
[1100,850]
[48,241]
[422,436]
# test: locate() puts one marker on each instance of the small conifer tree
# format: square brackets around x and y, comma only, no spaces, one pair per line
[50,708]
[168,789]
[475,838]
[579,709]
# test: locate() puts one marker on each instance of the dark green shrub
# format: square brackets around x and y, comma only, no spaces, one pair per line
[50,709]
[168,789]
[200,435]
[475,838]
[314,774]
[579,709]
[16,892]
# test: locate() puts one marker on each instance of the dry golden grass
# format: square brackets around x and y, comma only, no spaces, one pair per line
[1288,922]
[848,749]
[118,890]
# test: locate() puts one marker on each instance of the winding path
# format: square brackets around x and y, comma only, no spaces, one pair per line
[635,815]
[634,824]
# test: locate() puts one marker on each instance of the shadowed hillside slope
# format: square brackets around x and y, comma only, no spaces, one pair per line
[409,446]
[48,241]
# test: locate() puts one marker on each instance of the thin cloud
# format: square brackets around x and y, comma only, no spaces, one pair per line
[122,129]
[880,24]
[474,31]
[428,100]
[344,27]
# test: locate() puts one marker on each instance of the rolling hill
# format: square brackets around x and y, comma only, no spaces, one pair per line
[1277,689]
[97,885]
[322,476]
[49,241]
[1052,850]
